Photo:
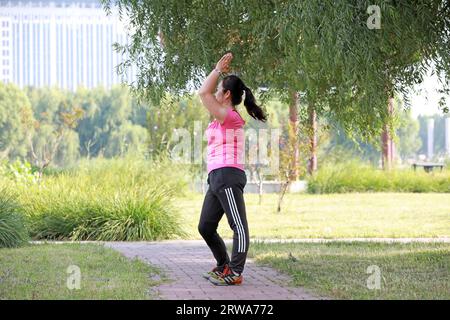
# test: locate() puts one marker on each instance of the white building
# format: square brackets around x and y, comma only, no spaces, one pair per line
[447,136]
[64,43]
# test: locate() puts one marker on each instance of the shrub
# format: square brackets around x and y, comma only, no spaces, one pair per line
[108,200]
[101,215]
[353,176]
[19,172]
[12,228]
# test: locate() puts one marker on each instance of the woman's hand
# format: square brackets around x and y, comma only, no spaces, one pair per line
[224,63]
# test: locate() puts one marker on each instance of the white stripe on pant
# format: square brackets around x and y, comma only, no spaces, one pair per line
[237,219]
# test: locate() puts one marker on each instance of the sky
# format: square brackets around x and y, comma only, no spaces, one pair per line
[425,100]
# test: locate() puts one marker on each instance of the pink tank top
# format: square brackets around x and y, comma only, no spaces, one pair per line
[226,142]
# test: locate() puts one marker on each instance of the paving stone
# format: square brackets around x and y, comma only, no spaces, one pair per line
[185,261]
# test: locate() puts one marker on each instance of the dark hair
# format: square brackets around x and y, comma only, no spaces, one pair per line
[237,88]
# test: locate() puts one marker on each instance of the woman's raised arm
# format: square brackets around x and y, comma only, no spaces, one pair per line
[206,91]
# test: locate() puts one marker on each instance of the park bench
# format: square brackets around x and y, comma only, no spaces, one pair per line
[427,166]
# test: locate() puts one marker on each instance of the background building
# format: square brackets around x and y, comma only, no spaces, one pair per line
[64,43]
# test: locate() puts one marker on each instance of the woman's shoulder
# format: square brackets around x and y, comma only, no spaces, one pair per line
[239,115]
[233,119]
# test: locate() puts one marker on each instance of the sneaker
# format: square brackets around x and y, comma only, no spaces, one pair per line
[216,272]
[227,278]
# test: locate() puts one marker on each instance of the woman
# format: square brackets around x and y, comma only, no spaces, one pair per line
[226,175]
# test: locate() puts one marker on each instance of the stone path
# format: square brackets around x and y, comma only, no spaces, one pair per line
[185,261]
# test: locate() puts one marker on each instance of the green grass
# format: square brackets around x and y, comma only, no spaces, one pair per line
[334,215]
[339,270]
[40,272]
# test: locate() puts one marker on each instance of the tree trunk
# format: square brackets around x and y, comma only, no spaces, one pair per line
[293,135]
[293,166]
[312,132]
[387,157]
[283,189]
[260,184]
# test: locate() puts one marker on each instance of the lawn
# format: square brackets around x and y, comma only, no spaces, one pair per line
[41,272]
[340,270]
[334,215]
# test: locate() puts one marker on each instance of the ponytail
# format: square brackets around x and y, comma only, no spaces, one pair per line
[253,109]
[237,88]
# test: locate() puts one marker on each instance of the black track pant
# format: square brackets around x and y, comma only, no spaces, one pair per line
[226,195]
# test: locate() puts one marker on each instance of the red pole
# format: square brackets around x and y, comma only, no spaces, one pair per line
[312,166]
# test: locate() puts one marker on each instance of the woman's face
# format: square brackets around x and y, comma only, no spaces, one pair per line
[221,97]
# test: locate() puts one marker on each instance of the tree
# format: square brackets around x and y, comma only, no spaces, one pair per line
[323,49]
[45,138]
[341,147]
[89,127]
[163,119]
[15,111]
[338,147]
[46,102]
[68,152]
[128,138]
[108,121]
[408,136]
